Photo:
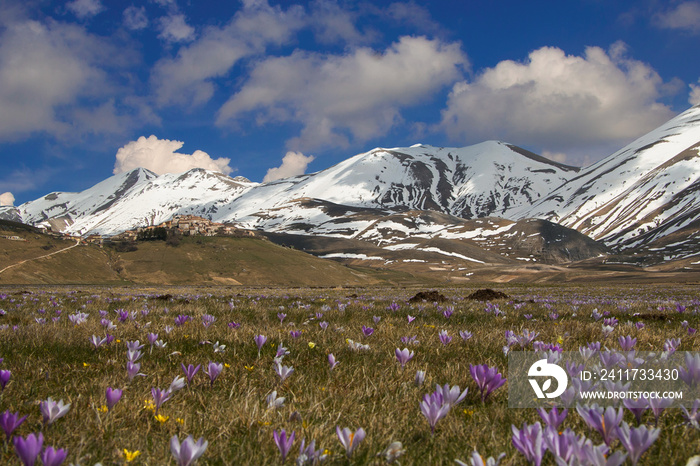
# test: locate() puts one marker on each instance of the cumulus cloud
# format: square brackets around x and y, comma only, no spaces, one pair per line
[360,92]
[293,164]
[51,70]
[684,16]
[160,156]
[174,28]
[85,8]
[7,199]
[187,79]
[694,94]
[332,23]
[135,18]
[559,102]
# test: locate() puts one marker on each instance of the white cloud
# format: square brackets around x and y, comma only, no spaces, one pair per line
[7,199]
[685,16]
[188,78]
[53,72]
[559,102]
[361,92]
[174,28]
[135,18]
[42,68]
[555,156]
[160,156]
[85,8]
[694,94]
[293,164]
[331,24]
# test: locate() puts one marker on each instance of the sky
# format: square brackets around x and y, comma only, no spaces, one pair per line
[267,89]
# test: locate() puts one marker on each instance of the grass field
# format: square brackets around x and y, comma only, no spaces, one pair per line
[50,354]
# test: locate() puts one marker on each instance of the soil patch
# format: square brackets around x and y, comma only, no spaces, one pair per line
[430,296]
[487,294]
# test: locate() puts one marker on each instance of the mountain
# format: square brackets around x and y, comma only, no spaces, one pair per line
[647,191]
[454,209]
[133,199]
[477,181]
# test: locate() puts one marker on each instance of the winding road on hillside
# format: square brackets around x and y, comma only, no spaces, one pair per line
[77,242]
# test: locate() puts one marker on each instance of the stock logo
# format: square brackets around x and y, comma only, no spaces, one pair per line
[542,368]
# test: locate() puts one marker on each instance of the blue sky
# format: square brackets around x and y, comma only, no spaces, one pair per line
[266,89]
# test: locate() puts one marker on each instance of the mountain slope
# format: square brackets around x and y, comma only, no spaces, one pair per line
[647,190]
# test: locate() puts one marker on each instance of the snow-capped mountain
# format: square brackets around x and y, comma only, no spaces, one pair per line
[645,197]
[647,190]
[476,181]
[133,199]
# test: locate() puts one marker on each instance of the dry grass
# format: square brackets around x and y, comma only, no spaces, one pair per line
[366,389]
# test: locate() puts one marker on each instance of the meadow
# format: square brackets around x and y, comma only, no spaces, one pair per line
[330,359]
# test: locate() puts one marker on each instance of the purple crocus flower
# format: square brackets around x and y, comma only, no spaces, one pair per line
[181,320]
[190,371]
[465,334]
[332,361]
[451,395]
[52,410]
[434,408]
[132,369]
[283,371]
[350,440]
[308,455]
[529,442]
[487,379]
[604,421]
[4,378]
[281,316]
[637,440]
[690,374]
[553,418]
[233,325]
[367,331]
[9,422]
[693,416]
[294,333]
[445,339]
[284,443]
[657,406]
[160,397]
[189,452]
[207,320]
[403,356]
[112,395]
[627,343]
[562,445]
[53,457]
[323,325]
[636,406]
[447,313]
[28,449]
[152,337]
[260,341]
[410,318]
[213,371]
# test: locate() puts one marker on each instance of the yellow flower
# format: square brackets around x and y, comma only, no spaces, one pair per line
[468,412]
[312,345]
[250,368]
[560,340]
[304,424]
[149,405]
[180,421]
[102,409]
[227,365]
[428,325]
[119,341]
[162,419]
[131,455]
[86,364]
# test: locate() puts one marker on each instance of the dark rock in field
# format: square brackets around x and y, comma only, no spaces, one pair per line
[164,297]
[430,296]
[487,294]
